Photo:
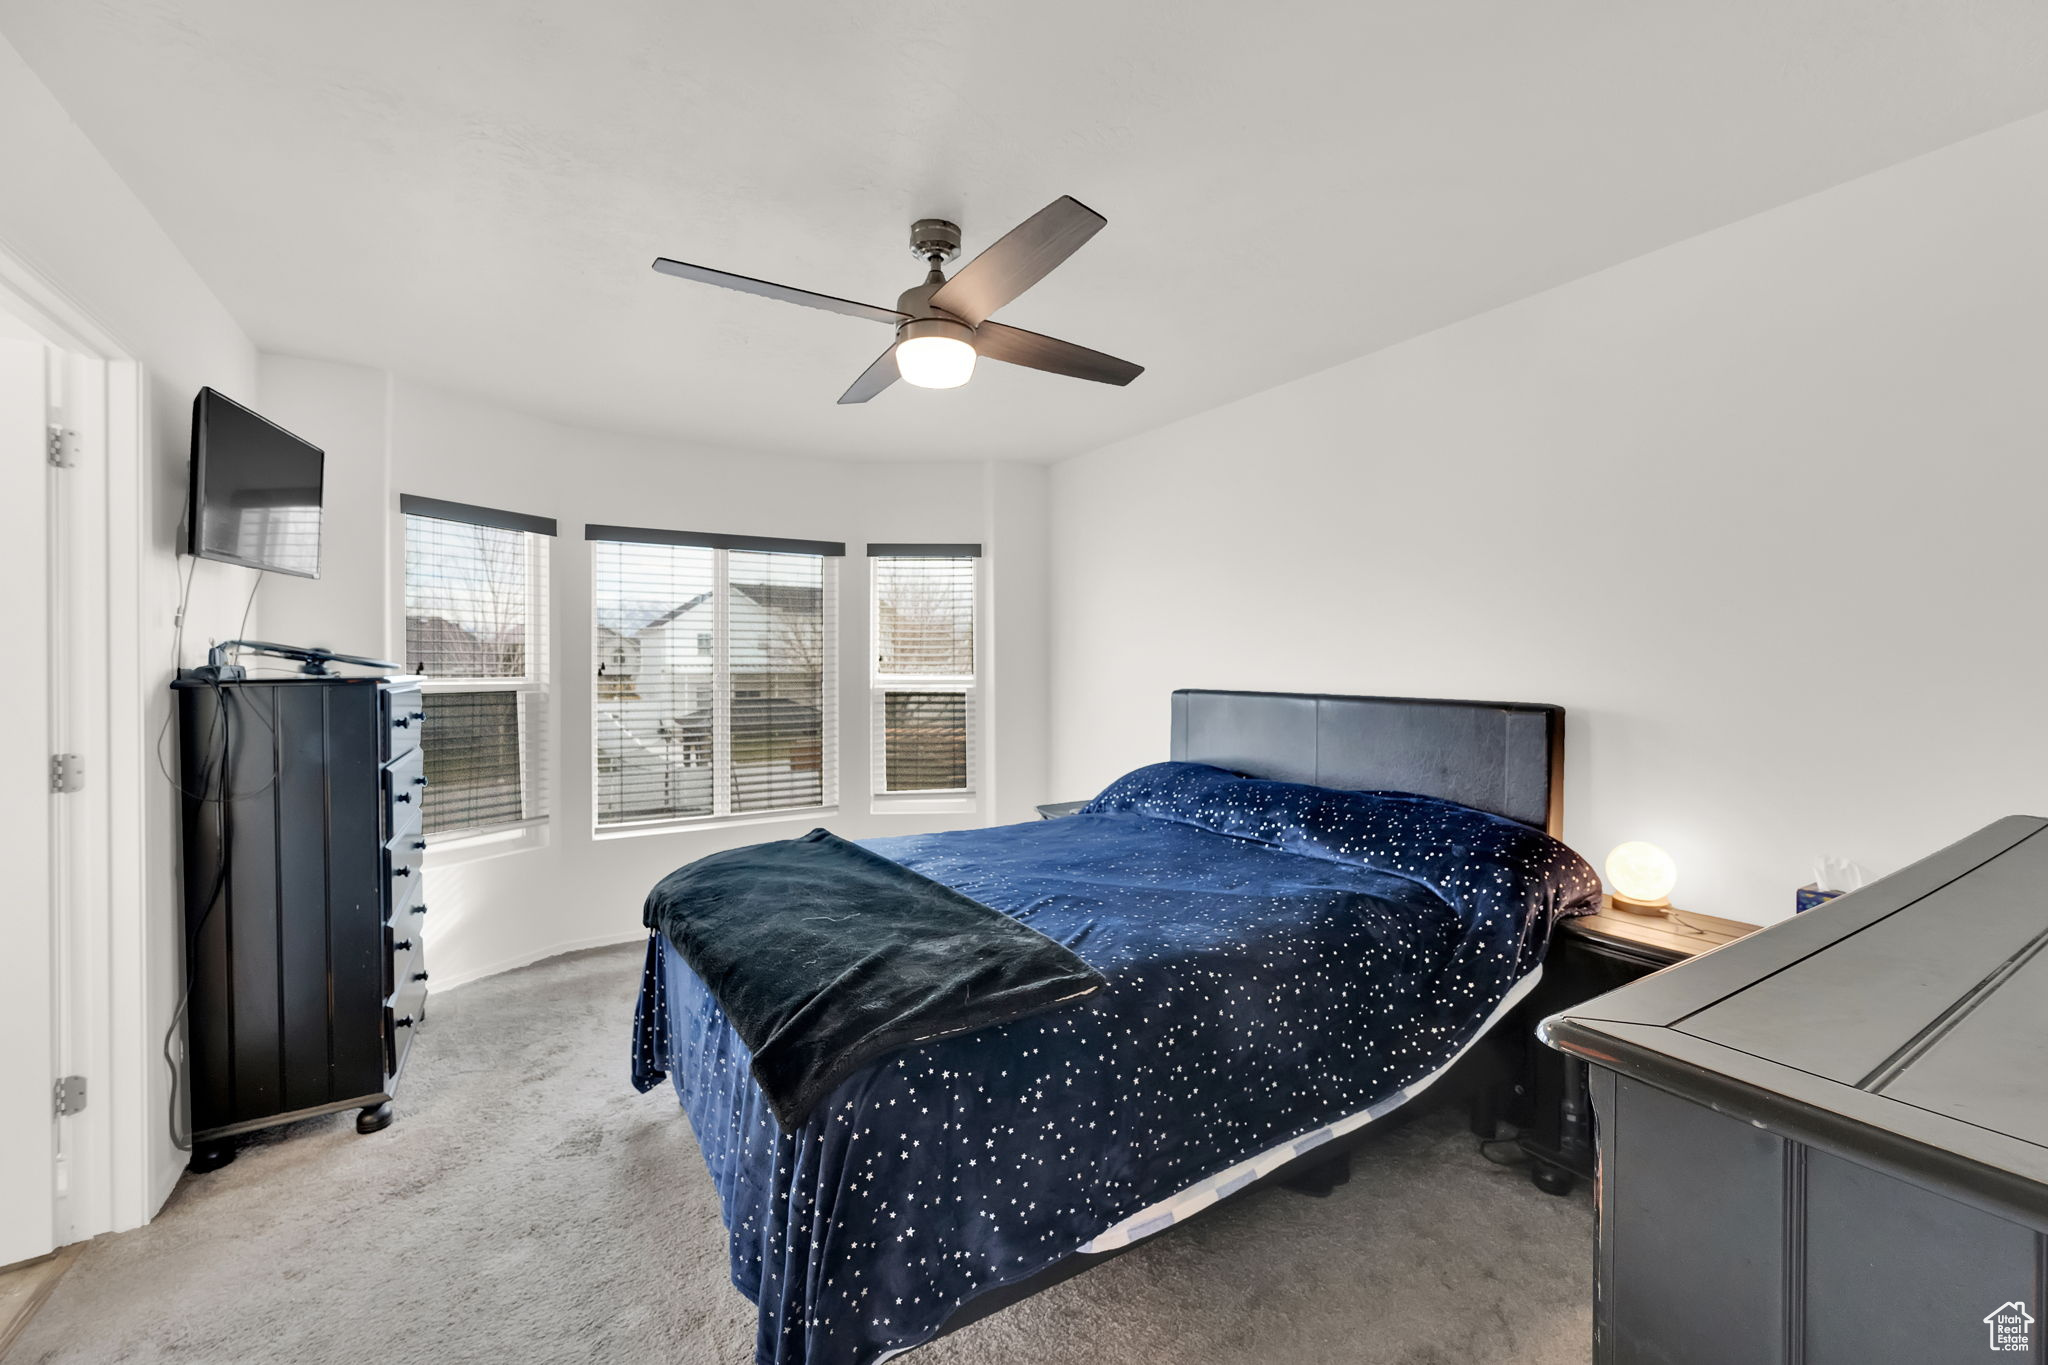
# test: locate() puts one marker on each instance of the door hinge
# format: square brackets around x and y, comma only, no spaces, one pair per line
[69,1093]
[67,773]
[63,447]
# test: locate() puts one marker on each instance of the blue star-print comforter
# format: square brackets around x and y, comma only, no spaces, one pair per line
[1278,956]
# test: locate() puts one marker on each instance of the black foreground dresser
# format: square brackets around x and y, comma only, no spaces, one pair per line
[1827,1143]
[303,899]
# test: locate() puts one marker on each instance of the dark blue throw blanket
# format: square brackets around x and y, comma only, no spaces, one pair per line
[823,956]
[1278,957]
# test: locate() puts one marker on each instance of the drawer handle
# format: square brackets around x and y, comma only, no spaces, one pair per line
[419,909]
[419,781]
[401,871]
[419,976]
[402,796]
[403,945]
[402,1021]
[402,722]
[419,715]
[419,845]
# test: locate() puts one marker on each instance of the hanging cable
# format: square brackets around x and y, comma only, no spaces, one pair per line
[213,774]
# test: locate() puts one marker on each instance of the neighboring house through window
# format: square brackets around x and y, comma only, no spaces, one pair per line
[476,590]
[925,684]
[730,642]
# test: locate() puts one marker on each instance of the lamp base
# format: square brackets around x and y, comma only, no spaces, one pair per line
[1632,906]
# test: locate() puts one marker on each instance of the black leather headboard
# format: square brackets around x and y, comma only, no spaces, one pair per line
[1503,757]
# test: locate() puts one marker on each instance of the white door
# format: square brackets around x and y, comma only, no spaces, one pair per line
[27,1074]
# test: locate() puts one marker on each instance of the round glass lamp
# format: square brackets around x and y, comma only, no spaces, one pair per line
[1642,876]
[934,353]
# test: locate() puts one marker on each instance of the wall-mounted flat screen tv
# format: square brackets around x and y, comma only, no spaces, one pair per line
[255,490]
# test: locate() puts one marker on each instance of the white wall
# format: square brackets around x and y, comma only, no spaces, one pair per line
[1763,510]
[1015,648]
[67,216]
[387,436]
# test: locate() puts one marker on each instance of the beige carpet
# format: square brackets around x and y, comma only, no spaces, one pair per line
[528,1206]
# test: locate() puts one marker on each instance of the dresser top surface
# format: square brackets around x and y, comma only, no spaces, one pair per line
[1915,1009]
[186,679]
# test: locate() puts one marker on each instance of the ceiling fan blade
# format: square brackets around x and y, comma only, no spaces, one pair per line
[1019,347]
[1026,254]
[874,378]
[746,284]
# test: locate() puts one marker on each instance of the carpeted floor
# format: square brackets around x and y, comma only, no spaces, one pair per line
[528,1206]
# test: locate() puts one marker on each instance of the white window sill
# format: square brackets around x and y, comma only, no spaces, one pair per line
[447,849]
[693,823]
[923,803]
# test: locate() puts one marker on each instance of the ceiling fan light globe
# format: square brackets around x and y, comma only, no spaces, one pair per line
[935,362]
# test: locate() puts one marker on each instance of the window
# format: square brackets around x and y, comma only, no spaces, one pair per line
[924,682]
[716,685]
[476,591]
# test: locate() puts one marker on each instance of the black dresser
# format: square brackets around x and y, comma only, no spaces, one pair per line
[303,899]
[1827,1143]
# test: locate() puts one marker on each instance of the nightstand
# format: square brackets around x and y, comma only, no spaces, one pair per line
[1053,810]
[1589,955]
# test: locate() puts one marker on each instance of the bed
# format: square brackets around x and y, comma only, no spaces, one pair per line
[1304,917]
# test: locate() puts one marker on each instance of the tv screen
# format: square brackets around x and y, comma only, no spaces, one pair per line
[255,490]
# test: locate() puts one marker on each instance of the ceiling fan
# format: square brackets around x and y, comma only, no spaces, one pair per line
[942,325]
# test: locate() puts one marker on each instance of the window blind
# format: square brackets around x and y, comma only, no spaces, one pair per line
[468,600]
[715,691]
[476,632]
[924,741]
[925,682]
[776,618]
[924,617]
[476,760]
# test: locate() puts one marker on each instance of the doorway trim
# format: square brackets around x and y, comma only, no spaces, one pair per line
[104,1018]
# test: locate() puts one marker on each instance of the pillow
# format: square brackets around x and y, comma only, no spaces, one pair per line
[1480,864]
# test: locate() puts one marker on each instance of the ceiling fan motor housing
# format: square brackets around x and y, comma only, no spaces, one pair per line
[935,327]
[916,302]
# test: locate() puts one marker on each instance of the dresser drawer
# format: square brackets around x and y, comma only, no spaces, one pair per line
[407,962]
[402,940]
[405,794]
[413,970]
[402,1019]
[402,871]
[408,899]
[409,921]
[404,716]
[401,950]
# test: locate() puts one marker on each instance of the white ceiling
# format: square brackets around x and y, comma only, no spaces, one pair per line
[470,191]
